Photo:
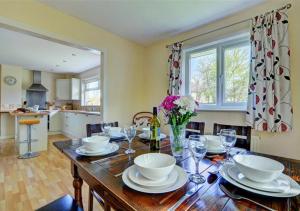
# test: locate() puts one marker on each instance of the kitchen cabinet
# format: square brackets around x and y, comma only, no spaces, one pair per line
[55,124]
[74,124]
[68,89]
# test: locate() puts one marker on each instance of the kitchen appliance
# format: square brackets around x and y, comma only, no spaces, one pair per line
[36,93]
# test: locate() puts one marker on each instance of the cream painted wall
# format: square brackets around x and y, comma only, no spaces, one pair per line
[123,59]
[11,94]
[285,144]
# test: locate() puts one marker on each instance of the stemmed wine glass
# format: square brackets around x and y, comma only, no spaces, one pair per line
[198,147]
[228,139]
[129,132]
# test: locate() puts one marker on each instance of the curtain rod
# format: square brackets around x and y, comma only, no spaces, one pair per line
[288,6]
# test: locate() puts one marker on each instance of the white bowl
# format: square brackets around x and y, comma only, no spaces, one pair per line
[155,166]
[95,143]
[114,131]
[258,168]
[146,131]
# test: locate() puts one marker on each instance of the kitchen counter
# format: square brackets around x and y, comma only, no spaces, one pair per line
[29,113]
[82,112]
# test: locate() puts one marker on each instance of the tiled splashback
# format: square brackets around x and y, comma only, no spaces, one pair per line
[77,106]
[10,106]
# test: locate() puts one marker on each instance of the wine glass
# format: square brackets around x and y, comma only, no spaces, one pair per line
[228,139]
[198,148]
[129,132]
[105,127]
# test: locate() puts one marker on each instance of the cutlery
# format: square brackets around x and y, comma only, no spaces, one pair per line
[188,194]
[239,197]
[103,159]
[120,174]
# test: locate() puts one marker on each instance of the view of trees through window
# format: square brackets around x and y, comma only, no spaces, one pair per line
[236,74]
[204,76]
[234,65]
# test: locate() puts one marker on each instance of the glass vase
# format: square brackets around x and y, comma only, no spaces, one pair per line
[177,139]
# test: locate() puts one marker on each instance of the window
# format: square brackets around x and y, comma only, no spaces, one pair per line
[217,75]
[90,92]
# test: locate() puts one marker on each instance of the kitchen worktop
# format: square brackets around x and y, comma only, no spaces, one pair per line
[42,113]
[82,112]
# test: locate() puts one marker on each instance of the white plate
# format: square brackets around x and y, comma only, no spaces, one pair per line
[83,149]
[117,135]
[139,179]
[294,190]
[144,136]
[181,181]
[278,185]
[111,148]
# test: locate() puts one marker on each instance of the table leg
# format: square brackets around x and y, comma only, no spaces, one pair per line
[77,184]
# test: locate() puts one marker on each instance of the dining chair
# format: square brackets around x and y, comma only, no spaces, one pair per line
[64,203]
[97,128]
[142,119]
[194,128]
[90,129]
[243,134]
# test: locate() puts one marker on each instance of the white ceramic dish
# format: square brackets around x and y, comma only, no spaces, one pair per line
[115,131]
[281,184]
[294,190]
[181,181]
[139,179]
[258,168]
[146,137]
[214,145]
[95,143]
[155,166]
[110,148]
[146,131]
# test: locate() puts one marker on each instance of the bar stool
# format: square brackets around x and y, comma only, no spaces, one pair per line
[29,123]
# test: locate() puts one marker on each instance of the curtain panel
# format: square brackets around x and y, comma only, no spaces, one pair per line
[175,75]
[269,94]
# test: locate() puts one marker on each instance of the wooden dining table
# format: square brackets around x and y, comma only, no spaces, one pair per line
[104,177]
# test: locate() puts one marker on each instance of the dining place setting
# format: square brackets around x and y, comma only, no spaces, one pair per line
[181,171]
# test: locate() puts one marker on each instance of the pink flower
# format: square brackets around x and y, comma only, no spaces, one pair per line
[168,103]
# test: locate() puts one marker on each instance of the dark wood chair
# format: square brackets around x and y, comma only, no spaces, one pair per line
[194,128]
[142,119]
[97,128]
[243,134]
[90,129]
[64,203]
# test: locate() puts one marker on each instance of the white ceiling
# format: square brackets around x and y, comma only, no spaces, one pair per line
[146,21]
[35,53]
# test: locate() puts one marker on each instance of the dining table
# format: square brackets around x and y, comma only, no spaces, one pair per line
[103,175]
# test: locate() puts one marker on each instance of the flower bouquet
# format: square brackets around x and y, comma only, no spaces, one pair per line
[178,111]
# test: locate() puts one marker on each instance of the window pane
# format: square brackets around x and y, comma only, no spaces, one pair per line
[92,98]
[236,74]
[92,85]
[203,70]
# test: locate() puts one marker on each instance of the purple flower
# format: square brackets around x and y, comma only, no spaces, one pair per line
[168,103]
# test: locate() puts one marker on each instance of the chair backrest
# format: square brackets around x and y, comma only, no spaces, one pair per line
[97,128]
[194,128]
[142,119]
[243,134]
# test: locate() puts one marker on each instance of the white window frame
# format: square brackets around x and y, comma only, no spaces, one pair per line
[220,47]
[84,89]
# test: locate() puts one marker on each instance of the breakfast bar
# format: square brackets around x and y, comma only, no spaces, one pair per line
[39,132]
[103,174]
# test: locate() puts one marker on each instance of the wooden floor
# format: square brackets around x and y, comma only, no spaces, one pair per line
[30,184]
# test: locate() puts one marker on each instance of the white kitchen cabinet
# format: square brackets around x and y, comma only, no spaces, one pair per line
[68,89]
[74,124]
[55,122]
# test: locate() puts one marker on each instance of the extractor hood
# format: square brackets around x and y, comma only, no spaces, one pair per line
[37,85]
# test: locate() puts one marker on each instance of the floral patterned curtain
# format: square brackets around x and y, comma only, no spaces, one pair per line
[269,96]
[174,61]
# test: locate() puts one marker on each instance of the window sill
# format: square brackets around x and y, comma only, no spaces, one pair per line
[221,110]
